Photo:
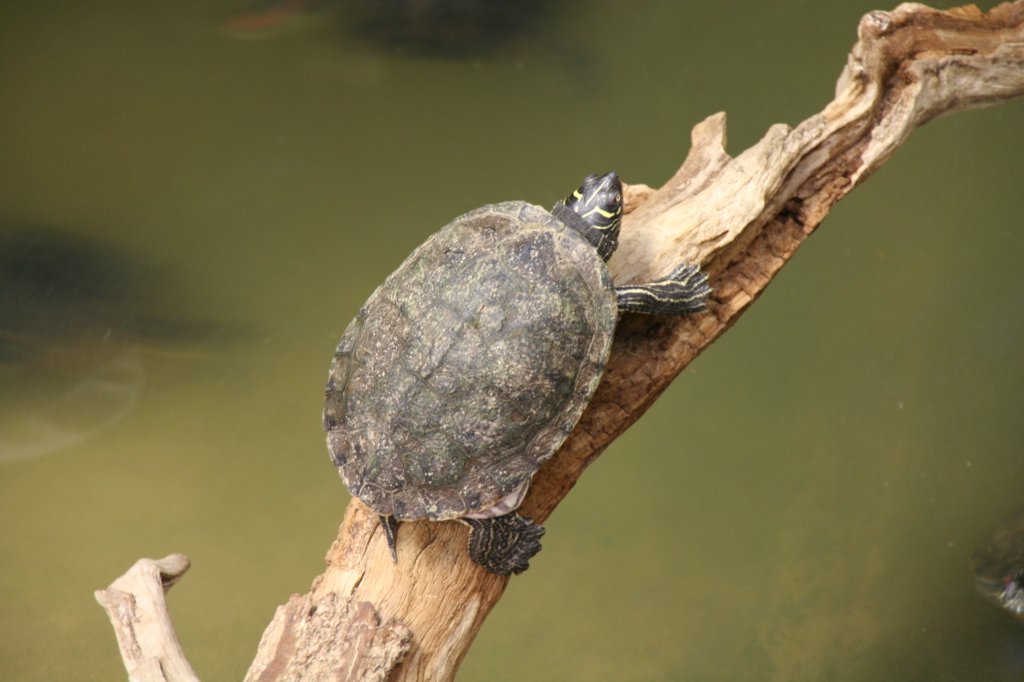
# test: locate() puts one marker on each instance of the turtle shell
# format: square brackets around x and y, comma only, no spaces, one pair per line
[470,364]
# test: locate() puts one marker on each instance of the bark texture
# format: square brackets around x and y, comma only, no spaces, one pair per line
[366,618]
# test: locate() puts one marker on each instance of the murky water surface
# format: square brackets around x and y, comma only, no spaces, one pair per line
[214,190]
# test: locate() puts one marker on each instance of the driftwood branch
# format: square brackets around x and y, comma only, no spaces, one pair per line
[137,610]
[366,618]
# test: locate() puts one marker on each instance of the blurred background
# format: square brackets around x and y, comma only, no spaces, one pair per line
[196,197]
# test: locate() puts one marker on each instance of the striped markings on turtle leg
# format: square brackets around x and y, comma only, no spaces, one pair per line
[684,291]
[503,544]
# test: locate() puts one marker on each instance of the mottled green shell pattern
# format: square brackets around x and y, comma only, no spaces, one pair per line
[470,365]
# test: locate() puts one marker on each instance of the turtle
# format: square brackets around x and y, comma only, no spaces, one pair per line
[999,566]
[471,364]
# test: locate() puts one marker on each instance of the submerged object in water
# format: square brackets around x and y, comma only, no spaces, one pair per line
[999,566]
[76,317]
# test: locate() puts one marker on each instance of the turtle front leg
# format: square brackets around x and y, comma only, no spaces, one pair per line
[503,544]
[684,291]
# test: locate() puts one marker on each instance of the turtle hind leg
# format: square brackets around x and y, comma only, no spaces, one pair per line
[504,544]
[684,291]
[390,526]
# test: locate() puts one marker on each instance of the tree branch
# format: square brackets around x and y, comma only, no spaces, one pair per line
[366,618]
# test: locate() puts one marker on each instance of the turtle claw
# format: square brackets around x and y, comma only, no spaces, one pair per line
[504,544]
[390,526]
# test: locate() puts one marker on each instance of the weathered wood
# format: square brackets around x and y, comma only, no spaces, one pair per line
[362,648]
[742,218]
[137,610]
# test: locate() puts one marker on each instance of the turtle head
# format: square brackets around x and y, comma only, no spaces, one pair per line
[598,205]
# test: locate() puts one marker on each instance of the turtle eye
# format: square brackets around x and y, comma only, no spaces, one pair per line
[617,199]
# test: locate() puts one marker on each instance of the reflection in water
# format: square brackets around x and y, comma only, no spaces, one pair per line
[74,316]
[999,566]
[268,18]
[67,416]
[453,29]
[445,28]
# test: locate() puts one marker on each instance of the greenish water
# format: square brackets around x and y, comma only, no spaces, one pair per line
[800,505]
